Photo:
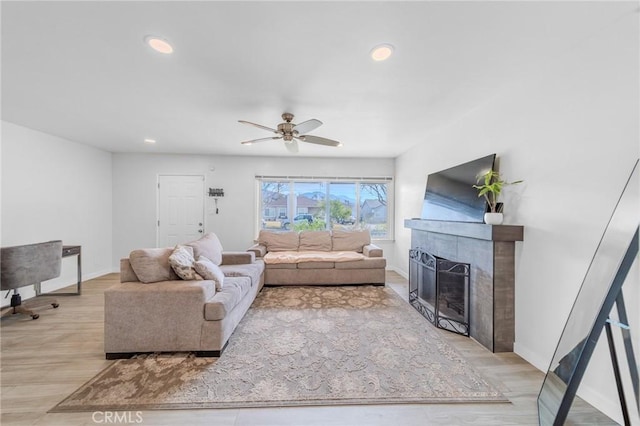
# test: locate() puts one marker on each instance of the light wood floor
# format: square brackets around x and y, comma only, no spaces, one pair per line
[45,360]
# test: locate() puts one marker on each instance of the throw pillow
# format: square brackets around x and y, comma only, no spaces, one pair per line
[152,265]
[181,260]
[208,246]
[210,271]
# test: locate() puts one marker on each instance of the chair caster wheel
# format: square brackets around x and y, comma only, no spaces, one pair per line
[35,316]
[55,305]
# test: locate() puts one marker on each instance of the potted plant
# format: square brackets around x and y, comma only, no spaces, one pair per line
[490,186]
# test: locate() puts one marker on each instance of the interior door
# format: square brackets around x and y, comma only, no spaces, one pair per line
[180,209]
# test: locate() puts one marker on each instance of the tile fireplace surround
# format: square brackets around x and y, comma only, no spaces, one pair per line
[490,250]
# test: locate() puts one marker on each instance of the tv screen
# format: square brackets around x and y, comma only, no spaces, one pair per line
[450,194]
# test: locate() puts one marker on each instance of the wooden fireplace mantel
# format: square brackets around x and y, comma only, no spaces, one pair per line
[490,250]
[480,231]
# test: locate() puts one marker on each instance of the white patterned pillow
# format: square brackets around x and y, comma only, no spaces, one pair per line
[182,262]
[210,271]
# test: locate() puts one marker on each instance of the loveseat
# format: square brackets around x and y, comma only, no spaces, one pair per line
[153,310]
[320,258]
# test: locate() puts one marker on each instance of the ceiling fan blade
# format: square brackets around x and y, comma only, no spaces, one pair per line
[318,140]
[258,125]
[292,146]
[252,141]
[307,126]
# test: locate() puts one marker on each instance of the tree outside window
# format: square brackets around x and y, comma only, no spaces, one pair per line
[318,205]
[373,209]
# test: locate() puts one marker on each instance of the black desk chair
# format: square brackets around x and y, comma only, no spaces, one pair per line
[29,265]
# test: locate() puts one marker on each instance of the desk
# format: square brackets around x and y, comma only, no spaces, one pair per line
[68,251]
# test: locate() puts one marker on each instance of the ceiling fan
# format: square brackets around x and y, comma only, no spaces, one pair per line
[291,133]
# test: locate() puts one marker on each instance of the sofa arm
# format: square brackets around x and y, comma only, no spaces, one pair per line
[238,257]
[372,250]
[162,316]
[258,250]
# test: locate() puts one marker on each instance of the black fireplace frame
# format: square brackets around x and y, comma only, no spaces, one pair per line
[420,262]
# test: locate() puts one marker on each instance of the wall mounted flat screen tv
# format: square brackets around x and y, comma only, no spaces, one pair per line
[450,194]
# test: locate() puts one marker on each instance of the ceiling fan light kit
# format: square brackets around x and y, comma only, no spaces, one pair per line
[290,133]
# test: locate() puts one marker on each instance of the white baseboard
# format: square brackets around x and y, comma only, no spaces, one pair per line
[399,272]
[605,403]
[531,357]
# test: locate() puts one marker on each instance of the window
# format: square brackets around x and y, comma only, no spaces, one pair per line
[342,205]
[269,213]
[374,213]
[274,204]
[315,204]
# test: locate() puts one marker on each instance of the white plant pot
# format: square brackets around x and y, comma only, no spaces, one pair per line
[493,218]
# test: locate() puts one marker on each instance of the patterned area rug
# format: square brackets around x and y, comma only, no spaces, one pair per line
[300,346]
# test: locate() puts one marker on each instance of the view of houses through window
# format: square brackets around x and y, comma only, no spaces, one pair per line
[322,204]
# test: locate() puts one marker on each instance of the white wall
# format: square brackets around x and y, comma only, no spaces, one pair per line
[134,192]
[570,130]
[54,189]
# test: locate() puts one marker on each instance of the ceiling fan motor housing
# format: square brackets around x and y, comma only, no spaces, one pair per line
[287,116]
[286,129]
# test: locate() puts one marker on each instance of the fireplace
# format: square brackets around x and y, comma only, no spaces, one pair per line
[489,250]
[439,290]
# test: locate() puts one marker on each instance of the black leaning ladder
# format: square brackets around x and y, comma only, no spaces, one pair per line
[603,321]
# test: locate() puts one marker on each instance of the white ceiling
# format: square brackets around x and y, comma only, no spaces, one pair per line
[80,70]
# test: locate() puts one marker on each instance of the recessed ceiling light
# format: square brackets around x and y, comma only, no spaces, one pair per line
[381,52]
[149,141]
[159,44]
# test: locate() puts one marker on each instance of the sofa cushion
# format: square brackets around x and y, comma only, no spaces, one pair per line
[279,241]
[210,271]
[311,256]
[281,266]
[238,257]
[126,272]
[350,240]
[181,261]
[152,265]
[316,265]
[315,241]
[251,270]
[235,288]
[208,246]
[366,263]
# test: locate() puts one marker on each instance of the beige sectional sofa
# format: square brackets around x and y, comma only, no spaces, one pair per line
[320,258]
[152,310]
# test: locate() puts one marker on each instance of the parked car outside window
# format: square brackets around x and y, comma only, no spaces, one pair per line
[304,216]
[286,224]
